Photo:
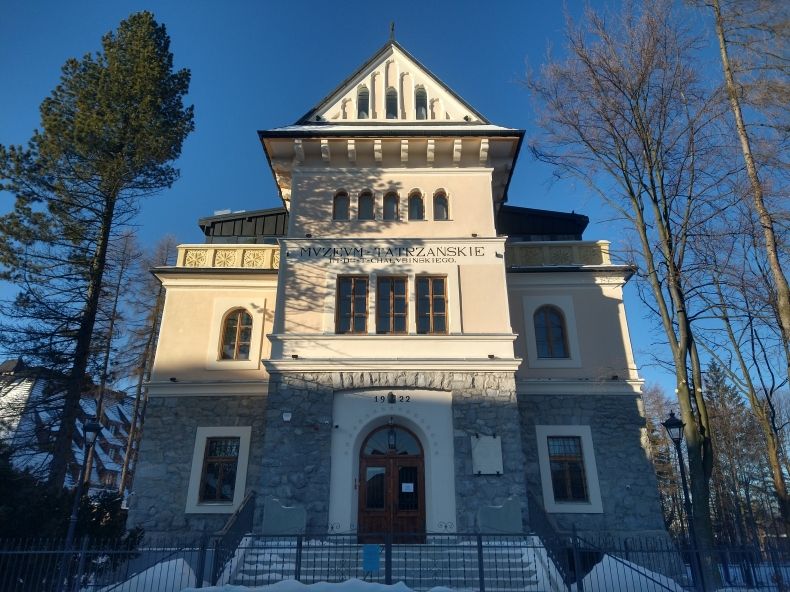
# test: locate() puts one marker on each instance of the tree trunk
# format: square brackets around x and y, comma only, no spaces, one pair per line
[77,377]
[138,415]
[766,220]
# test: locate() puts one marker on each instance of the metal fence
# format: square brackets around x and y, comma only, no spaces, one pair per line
[502,563]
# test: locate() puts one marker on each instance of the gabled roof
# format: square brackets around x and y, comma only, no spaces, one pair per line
[452,108]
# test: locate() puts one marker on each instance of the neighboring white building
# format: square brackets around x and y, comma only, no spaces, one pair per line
[412,351]
[30,402]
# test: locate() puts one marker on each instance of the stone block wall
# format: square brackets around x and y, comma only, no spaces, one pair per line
[158,499]
[486,404]
[629,491]
[297,453]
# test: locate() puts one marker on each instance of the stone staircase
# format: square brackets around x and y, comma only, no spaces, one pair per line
[507,568]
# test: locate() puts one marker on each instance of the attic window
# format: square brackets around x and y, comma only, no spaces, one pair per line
[421,103]
[392,103]
[363,103]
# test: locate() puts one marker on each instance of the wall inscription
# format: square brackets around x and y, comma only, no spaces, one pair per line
[390,254]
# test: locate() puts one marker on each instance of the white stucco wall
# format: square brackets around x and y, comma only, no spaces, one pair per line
[428,415]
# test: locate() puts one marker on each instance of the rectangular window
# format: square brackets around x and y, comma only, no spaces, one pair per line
[352,305]
[567,469]
[431,304]
[391,305]
[220,463]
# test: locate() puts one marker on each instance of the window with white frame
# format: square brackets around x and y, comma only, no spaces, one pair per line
[550,333]
[219,469]
[568,472]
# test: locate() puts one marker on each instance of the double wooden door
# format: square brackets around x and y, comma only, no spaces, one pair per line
[392,497]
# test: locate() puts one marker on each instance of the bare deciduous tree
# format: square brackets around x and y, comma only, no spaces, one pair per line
[625,112]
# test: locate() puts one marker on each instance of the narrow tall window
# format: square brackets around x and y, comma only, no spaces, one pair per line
[391,201]
[352,305]
[416,207]
[440,206]
[421,103]
[567,469]
[236,335]
[550,335]
[340,206]
[431,304]
[365,210]
[218,480]
[391,305]
[392,103]
[363,103]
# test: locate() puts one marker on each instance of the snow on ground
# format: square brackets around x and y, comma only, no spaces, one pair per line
[169,576]
[617,574]
[294,586]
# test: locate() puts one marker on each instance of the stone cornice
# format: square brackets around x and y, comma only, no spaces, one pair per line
[219,388]
[392,365]
[579,387]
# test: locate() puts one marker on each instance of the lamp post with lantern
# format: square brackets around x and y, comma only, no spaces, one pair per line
[674,428]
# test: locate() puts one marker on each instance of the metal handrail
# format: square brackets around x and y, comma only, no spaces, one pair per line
[227,539]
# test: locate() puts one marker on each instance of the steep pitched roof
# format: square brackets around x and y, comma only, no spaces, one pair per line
[393,66]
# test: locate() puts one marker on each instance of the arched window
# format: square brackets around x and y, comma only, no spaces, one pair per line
[391,201]
[392,103]
[416,207]
[440,206]
[550,334]
[365,209]
[236,335]
[340,206]
[421,103]
[363,102]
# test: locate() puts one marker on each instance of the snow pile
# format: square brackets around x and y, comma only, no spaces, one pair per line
[617,574]
[294,586]
[169,576]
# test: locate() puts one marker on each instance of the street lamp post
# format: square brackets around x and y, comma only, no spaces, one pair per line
[674,428]
[90,430]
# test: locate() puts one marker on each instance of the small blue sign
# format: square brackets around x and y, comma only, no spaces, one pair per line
[370,558]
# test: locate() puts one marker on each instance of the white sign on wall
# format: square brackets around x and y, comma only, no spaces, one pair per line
[486,455]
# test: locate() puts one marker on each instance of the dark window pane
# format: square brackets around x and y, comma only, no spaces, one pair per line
[374,488]
[365,207]
[363,103]
[423,325]
[359,324]
[440,207]
[438,305]
[390,207]
[392,103]
[416,210]
[439,325]
[340,207]
[399,324]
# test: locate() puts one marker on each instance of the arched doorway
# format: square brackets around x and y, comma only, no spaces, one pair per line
[391,486]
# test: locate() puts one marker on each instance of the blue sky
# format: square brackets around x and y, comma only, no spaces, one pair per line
[257,65]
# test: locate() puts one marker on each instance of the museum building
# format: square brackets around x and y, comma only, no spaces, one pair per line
[395,349]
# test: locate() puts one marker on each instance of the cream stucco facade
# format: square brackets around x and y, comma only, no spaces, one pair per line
[403,301]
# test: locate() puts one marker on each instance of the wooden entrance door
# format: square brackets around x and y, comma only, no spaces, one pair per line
[391,487]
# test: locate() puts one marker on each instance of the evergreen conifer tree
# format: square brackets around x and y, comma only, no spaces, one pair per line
[110,132]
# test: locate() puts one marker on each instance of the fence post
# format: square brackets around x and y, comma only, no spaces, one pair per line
[780,584]
[480,569]
[388,558]
[201,564]
[298,561]
[215,552]
[577,564]
[81,563]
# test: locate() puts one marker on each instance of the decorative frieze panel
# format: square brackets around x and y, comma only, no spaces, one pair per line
[229,257]
[557,253]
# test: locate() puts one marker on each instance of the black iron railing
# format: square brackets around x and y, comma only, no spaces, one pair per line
[455,560]
[226,541]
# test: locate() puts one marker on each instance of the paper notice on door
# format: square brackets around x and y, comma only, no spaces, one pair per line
[407,487]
